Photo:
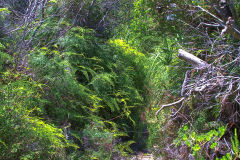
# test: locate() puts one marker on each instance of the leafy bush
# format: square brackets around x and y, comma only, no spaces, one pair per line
[90,80]
[23,134]
[197,142]
[5,59]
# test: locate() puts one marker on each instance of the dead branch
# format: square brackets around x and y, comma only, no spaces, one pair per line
[234,29]
[184,84]
[218,19]
[209,25]
[193,60]
[197,63]
[230,26]
[233,10]
[171,104]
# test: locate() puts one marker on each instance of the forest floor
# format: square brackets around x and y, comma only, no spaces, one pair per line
[144,156]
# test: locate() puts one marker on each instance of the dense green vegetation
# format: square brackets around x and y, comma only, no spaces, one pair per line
[84,79]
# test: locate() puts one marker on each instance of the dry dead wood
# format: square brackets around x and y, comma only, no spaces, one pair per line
[196,63]
[229,25]
[191,59]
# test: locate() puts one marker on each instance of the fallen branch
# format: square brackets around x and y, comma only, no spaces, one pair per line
[233,29]
[197,63]
[171,104]
[230,25]
[184,84]
[218,19]
[193,60]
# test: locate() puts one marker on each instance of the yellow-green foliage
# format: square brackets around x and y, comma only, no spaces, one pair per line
[26,137]
[128,50]
[195,140]
[132,58]
[91,81]
[4,10]
[23,134]
[4,57]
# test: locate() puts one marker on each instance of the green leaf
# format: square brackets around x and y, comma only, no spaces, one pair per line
[188,143]
[185,128]
[228,155]
[215,133]
[224,158]
[196,147]
[185,137]
[200,138]
[236,142]
[214,145]
[127,146]
[3,143]
[52,1]
[222,130]
[209,136]
[233,145]
[120,134]
[2,46]
[193,135]
[5,10]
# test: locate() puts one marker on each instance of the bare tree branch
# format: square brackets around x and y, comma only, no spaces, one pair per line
[184,84]
[230,26]
[233,10]
[193,60]
[218,19]
[168,105]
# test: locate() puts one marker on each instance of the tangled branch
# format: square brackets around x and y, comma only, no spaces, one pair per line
[208,80]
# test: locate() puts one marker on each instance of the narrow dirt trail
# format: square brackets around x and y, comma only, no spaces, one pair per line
[143,156]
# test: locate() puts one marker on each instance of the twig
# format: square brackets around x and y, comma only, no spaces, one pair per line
[230,26]
[171,104]
[233,10]
[218,19]
[178,110]
[209,25]
[184,84]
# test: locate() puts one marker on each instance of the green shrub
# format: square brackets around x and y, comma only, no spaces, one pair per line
[89,80]
[23,134]
[5,58]
[196,141]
